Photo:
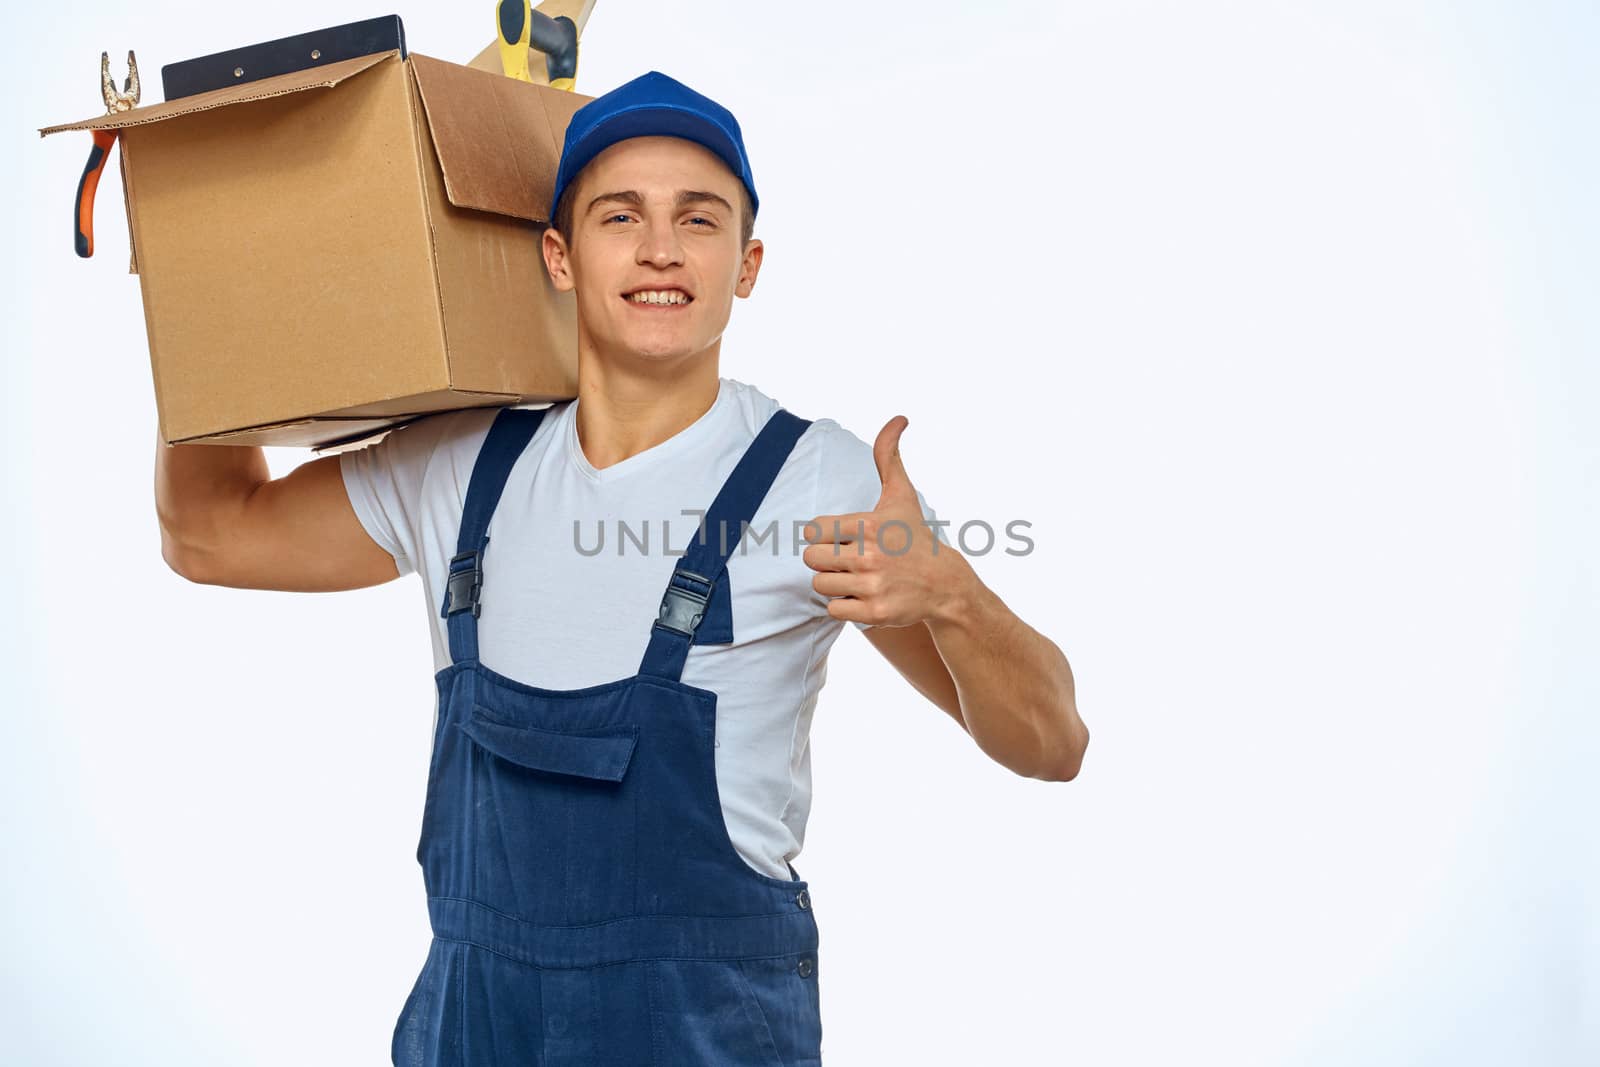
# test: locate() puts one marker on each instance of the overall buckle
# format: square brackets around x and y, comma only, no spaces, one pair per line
[463,587]
[682,609]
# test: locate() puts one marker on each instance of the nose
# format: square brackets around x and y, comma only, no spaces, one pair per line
[659,245]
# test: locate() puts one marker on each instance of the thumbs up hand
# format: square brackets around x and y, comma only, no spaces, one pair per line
[885,567]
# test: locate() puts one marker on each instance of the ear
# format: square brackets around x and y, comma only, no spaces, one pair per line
[557,259]
[749,267]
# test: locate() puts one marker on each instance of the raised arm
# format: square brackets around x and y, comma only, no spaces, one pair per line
[948,634]
[226,521]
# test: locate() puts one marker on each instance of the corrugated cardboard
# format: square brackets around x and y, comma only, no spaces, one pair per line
[330,252]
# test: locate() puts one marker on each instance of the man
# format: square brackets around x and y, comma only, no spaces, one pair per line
[620,774]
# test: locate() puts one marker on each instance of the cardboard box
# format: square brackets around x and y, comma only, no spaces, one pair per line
[329,253]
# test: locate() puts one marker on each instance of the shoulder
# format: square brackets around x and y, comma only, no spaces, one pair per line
[837,463]
[827,445]
[445,444]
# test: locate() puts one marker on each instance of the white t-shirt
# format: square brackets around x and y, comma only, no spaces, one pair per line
[569,594]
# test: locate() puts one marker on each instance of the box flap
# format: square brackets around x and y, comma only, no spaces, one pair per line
[313,433]
[354,426]
[498,138]
[314,78]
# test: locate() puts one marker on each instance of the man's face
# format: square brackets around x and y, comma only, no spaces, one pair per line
[659,217]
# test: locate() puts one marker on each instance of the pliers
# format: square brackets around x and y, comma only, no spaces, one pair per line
[83,202]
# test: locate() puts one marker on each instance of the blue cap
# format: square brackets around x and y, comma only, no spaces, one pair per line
[651,105]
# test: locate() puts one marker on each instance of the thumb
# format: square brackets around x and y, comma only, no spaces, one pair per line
[891,470]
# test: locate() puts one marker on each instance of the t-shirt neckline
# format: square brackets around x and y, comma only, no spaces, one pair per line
[684,439]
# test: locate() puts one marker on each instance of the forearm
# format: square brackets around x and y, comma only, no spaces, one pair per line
[1016,688]
[198,487]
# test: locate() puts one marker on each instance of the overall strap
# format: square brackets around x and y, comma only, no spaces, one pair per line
[509,434]
[690,587]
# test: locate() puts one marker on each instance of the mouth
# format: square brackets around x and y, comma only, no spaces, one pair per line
[668,299]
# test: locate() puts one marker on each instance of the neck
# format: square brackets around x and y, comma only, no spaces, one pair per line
[624,410]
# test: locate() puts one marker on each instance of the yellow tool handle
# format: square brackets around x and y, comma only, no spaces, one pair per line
[518,27]
[513,21]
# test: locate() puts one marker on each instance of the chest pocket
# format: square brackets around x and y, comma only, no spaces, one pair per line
[602,753]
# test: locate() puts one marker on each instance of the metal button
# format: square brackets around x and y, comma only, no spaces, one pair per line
[804,899]
[804,968]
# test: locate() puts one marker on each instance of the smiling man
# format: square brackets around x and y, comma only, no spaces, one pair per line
[620,776]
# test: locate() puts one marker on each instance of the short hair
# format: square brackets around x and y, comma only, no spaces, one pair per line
[562,223]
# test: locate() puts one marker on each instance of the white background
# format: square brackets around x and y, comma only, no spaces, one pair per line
[1276,322]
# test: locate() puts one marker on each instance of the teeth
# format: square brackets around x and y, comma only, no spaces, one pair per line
[660,296]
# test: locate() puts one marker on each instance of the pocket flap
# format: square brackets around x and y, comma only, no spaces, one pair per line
[601,753]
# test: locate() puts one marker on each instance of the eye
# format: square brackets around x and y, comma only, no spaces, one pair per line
[702,218]
[612,218]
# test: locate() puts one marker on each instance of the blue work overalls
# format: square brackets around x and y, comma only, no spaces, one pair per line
[587,904]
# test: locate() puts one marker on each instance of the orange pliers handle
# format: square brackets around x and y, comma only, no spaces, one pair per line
[83,204]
